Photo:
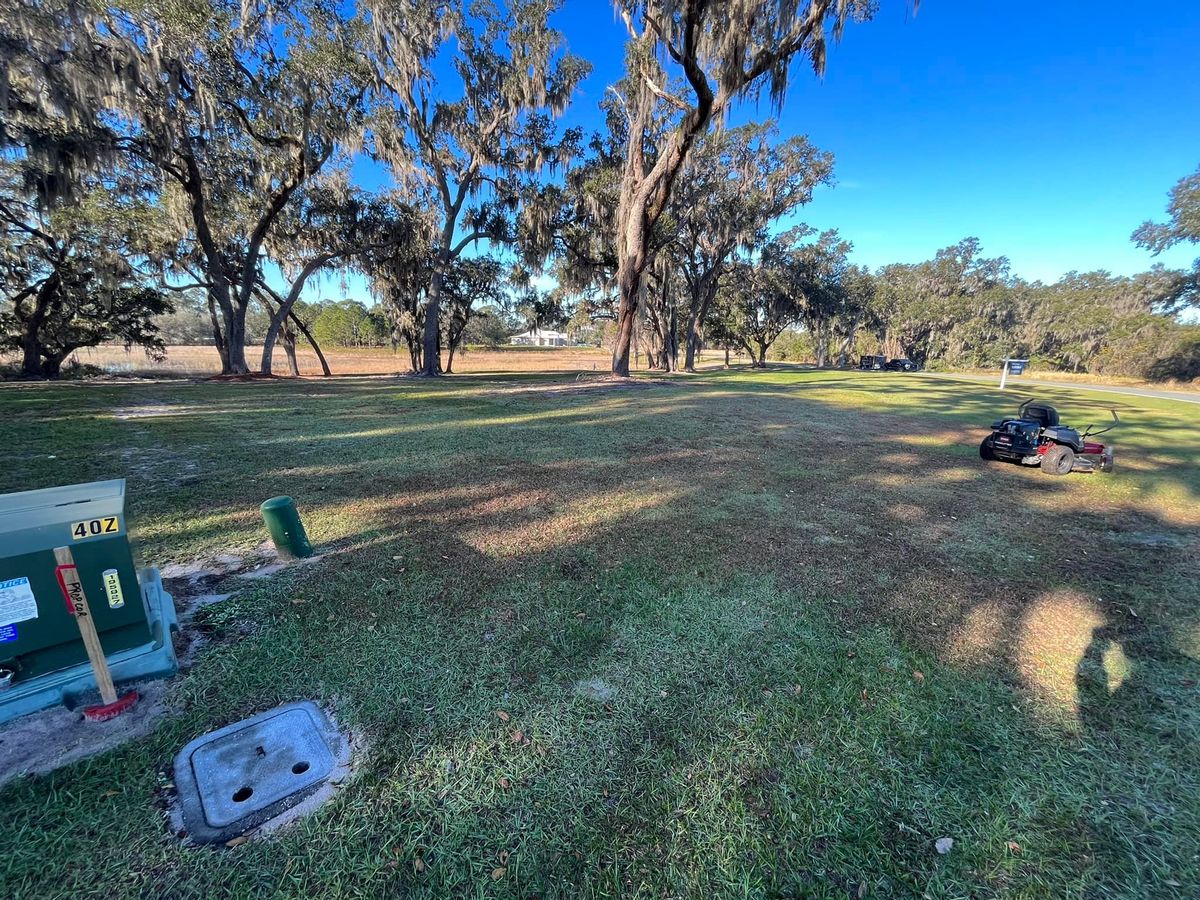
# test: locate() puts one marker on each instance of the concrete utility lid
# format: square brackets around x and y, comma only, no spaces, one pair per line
[239,776]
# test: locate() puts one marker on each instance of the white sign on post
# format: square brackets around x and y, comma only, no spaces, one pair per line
[1012,367]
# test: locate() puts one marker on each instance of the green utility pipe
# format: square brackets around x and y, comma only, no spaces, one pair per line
[285,527]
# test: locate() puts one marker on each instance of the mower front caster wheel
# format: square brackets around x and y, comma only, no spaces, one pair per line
[985,450]
[1058,460]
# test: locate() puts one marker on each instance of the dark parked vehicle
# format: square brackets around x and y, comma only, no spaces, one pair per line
[1037,438]
[872,362]
[902,365]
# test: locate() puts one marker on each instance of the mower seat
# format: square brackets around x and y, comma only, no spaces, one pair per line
[1045,416]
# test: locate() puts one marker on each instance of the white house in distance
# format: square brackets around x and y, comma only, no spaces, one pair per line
[536,337]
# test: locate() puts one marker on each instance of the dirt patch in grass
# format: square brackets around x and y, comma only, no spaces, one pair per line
[57,737]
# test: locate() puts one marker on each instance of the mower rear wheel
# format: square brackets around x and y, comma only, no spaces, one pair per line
[1058,460]
[985,450]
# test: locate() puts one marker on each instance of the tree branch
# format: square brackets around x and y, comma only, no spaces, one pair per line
[282,140]
[663,95]
[476,235]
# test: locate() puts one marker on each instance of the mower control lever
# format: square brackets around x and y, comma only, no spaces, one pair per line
[1116,422]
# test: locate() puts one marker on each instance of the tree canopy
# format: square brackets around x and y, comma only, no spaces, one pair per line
[211,151]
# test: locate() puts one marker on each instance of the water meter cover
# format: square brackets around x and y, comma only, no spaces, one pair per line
[243,774]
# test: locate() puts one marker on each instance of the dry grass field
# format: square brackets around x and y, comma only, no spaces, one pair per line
[192,361]
[198,360]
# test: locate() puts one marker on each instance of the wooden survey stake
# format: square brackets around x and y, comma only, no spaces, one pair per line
[72,588]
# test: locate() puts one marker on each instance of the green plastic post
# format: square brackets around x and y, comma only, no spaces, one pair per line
[285,528]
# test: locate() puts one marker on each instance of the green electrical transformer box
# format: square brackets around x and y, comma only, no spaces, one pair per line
[41,652]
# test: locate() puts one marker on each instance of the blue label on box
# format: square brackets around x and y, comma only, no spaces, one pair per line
[8,633]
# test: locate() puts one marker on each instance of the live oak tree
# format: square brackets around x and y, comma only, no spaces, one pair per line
[488,326]
[1183,227]
[856,297]
[572,227]
[475,138]
[77,224]
[735,184]
[963,308]
[349,323]
[300,318]
[237,104]
[752,309]
[819,278]
[330,223]
[760,296]
[1079,321]
[400,279]
[723,52]
[477,280]
[920,305]
[789,280]
[53,93]
[73,270]
[81,314]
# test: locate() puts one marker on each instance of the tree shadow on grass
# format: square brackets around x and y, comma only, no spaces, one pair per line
[724,546]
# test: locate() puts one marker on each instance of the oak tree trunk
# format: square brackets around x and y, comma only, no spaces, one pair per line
[31,330]
[235,334]
[694,339]
[673,346]
[52,364]
[31,354]
[312,343]
[629,281]
[705,292]
[289,348]
[218,336]
[432,339]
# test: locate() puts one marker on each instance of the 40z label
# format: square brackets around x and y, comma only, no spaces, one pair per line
[95,528]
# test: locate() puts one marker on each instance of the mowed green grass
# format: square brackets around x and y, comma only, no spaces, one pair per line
[834,636]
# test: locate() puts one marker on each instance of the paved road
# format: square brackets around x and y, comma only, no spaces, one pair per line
[1015,383]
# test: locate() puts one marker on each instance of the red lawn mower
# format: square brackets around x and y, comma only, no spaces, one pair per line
[1036,438]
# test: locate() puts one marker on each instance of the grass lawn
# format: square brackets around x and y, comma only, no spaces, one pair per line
[834,637]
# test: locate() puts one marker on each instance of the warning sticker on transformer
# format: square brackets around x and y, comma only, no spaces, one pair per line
[17,603]
[112,589]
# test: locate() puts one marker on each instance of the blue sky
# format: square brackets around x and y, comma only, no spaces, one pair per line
[1050,136]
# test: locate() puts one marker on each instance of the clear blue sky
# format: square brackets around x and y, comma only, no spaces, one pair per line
[1050,131]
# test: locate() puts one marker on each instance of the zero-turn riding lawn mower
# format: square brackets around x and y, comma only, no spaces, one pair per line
[1036,438]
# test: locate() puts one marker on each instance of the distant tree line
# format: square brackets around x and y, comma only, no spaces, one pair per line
[959,310]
